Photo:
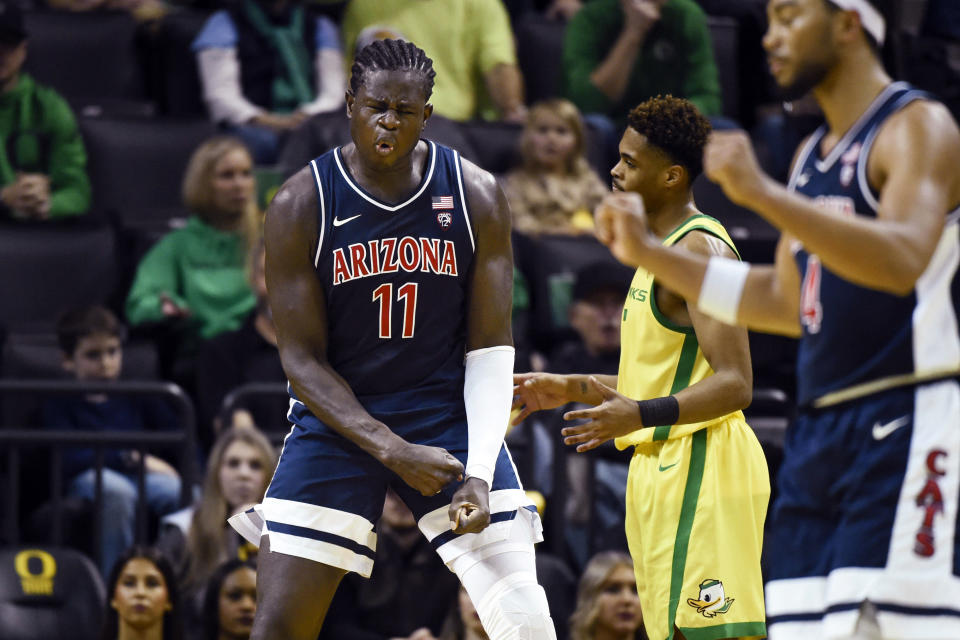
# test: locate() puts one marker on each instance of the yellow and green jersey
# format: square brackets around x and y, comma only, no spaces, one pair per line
[657,356]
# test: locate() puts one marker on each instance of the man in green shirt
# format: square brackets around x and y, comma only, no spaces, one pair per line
[42,159]
[618,53]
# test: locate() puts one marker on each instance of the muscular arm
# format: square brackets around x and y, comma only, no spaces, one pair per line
[725,347]
[914,161]
[299,312]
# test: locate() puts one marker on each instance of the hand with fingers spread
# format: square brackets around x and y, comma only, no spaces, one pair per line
[616,416]
[536,392]
[470,507]
[426,469]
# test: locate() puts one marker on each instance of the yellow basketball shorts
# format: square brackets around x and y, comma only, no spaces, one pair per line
[695,511]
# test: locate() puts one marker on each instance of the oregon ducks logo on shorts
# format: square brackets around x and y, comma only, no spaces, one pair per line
[35,584]
[712,600]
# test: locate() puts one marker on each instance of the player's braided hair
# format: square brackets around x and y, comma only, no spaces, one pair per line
[674,126]
[392,55]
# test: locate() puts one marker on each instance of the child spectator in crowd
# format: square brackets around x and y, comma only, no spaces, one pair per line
[607,604]
[197,538]
[230,601]
[193,282]
[43,164]
[142,598]
[235,358]
[265,67]
[91,341]
[554,190]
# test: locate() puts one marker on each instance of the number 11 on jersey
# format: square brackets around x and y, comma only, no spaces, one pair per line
[407,293]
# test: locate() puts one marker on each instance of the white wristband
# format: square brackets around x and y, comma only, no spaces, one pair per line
[487,395]
[722,288]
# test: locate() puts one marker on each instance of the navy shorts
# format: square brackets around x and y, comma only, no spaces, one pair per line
[867,510]
[327,493]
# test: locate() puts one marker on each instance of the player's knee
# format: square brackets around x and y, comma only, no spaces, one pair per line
[516,609]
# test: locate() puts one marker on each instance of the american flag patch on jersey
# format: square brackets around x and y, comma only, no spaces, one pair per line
[442,202]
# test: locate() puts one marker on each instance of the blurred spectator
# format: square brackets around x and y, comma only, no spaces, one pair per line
[595,314]
[230,601]
[555,190]
[408,594]
[140,10]
[267,65]
[235,358]
[197,538]
[563,9]
[142,598]
[607,602]
[91,341]
[193,283]
[472,50]
[463,623]
[618,53]
[43,164]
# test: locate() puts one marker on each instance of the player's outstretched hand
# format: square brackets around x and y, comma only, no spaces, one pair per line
[426,469]
[470,507]
[616,416]
[536,392]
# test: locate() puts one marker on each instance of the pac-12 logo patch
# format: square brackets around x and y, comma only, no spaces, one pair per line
[712,600]
[445,218]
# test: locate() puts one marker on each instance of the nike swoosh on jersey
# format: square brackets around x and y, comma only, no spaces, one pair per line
[664,468]
[881,431]
[337,221]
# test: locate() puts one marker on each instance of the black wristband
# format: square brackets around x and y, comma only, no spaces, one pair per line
[659,412]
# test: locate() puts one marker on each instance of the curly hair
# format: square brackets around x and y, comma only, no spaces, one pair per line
[392,55]
[676,127]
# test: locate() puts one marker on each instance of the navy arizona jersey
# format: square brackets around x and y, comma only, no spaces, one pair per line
[856,340]
[395,279]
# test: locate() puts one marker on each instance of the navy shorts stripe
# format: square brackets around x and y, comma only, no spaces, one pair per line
[881,606]
[447,536]
[322,536]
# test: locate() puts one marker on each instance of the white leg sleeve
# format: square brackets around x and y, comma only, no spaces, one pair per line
[503,587]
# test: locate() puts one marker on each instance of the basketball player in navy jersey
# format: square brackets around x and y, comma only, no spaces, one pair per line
[389,272]
[863,539]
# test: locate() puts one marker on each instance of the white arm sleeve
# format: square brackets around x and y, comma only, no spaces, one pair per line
[220,77]
[331,82]
[487,394]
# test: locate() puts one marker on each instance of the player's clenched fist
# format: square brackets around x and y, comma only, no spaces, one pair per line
[426,469]
[728,160]
[621,224]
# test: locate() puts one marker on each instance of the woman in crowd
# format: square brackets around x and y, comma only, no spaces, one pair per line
[142,598]
[198,539]
[607,604]
[554,190]
[193,282]
[230,601]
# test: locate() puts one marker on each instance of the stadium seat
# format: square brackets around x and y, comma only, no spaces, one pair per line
[174,78]
[48,268]
[540,55]
[136,166]
[497,144]
[49,593]
[725,35]
[90,58]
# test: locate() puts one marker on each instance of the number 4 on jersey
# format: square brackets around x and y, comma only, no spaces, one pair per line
[811,311]
[406,293]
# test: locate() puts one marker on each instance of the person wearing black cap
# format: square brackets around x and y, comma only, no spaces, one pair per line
[42,158]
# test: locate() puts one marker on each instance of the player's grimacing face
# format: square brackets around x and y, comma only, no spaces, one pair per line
[387,115]
[799,44]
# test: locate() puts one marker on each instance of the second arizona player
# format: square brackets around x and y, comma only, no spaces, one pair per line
[389,272]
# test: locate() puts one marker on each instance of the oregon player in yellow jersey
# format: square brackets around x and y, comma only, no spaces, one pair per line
[698,485]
